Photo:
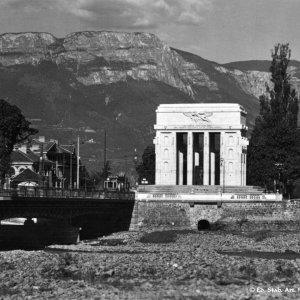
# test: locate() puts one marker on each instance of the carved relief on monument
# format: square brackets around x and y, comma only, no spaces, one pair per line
[198,117]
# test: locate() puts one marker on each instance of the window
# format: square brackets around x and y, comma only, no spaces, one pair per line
[166,154]
[166,140]
[166,166]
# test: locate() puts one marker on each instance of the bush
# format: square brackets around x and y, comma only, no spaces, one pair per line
[159,237]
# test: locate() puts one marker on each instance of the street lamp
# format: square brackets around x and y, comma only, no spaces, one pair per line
[144,182]
[222,162]
[279,167]
[135,161]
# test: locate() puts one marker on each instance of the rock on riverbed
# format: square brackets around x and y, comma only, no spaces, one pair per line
[196,265]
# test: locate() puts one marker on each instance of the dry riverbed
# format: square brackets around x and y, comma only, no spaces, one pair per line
[131,265]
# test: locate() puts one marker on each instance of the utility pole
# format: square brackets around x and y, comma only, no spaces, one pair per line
[77,182]
[104,150]
[41,166]
[71,170]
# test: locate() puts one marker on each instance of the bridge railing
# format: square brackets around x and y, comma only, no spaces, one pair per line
[65,193]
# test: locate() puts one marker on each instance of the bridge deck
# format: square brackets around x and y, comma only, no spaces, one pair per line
[63,193]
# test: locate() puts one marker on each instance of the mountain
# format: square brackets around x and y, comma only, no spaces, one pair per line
[91,81]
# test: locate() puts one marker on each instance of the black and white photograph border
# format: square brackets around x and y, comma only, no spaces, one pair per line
[149,149]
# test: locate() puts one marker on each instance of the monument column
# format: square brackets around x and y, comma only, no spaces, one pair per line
[212,168]
[245,170]
[190,159]
[180,167]
[222,158]
[206,159]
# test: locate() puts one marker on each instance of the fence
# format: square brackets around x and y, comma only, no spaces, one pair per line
[65,193]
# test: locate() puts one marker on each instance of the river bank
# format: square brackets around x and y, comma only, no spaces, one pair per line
[169,265]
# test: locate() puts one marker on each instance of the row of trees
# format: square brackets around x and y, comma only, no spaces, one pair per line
[274,148]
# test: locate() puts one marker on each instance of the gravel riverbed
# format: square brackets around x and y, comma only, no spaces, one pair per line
[195,265]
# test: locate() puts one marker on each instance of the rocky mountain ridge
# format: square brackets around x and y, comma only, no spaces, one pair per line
[90,81]
[118,56]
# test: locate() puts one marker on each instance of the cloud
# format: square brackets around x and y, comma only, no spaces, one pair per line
[143,13]
[120,14]
[117,14]
[27,5]
[173,21]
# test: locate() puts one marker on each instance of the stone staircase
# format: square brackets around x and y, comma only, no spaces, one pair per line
[199,189]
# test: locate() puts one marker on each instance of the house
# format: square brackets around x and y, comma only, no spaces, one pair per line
[27,178]
[55,164]
[22,159]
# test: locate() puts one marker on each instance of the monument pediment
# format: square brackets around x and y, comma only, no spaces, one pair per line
[216,114]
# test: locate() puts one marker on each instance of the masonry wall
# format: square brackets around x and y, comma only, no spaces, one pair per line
[280,215]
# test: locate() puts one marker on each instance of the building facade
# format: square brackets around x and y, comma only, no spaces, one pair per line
[201,144]
[55,164]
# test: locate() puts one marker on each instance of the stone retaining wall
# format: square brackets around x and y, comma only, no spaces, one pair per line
[250,215]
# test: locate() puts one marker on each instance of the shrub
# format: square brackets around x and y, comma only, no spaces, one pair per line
[248,271]
[241,221]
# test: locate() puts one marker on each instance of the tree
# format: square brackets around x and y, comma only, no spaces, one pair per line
[14,128]
[146,169]
[273,152]
[98,178]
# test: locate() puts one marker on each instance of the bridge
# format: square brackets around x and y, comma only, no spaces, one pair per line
[101,212]
[96,212]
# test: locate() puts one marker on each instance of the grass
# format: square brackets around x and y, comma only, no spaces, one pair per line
[159,237]
[260,235]
[163,237]
[263,254]
[6,291]
[110,242]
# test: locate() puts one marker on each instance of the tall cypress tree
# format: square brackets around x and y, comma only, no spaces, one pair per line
[146,169]
[274,153]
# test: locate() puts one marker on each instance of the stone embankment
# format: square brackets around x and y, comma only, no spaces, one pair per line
[193,265]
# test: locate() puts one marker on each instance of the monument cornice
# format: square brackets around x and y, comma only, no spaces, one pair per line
[199,127]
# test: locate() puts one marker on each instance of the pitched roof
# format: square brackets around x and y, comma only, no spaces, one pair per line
[32,155]
[27,175]
[68,148]
[46,145]
[54,146]
[19,156]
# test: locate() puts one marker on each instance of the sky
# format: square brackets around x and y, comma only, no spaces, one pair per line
[217,30]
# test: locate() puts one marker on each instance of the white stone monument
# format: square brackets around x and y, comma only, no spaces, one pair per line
[201,144]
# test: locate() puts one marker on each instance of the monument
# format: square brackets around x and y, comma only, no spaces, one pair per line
[201,144]
[201,152]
